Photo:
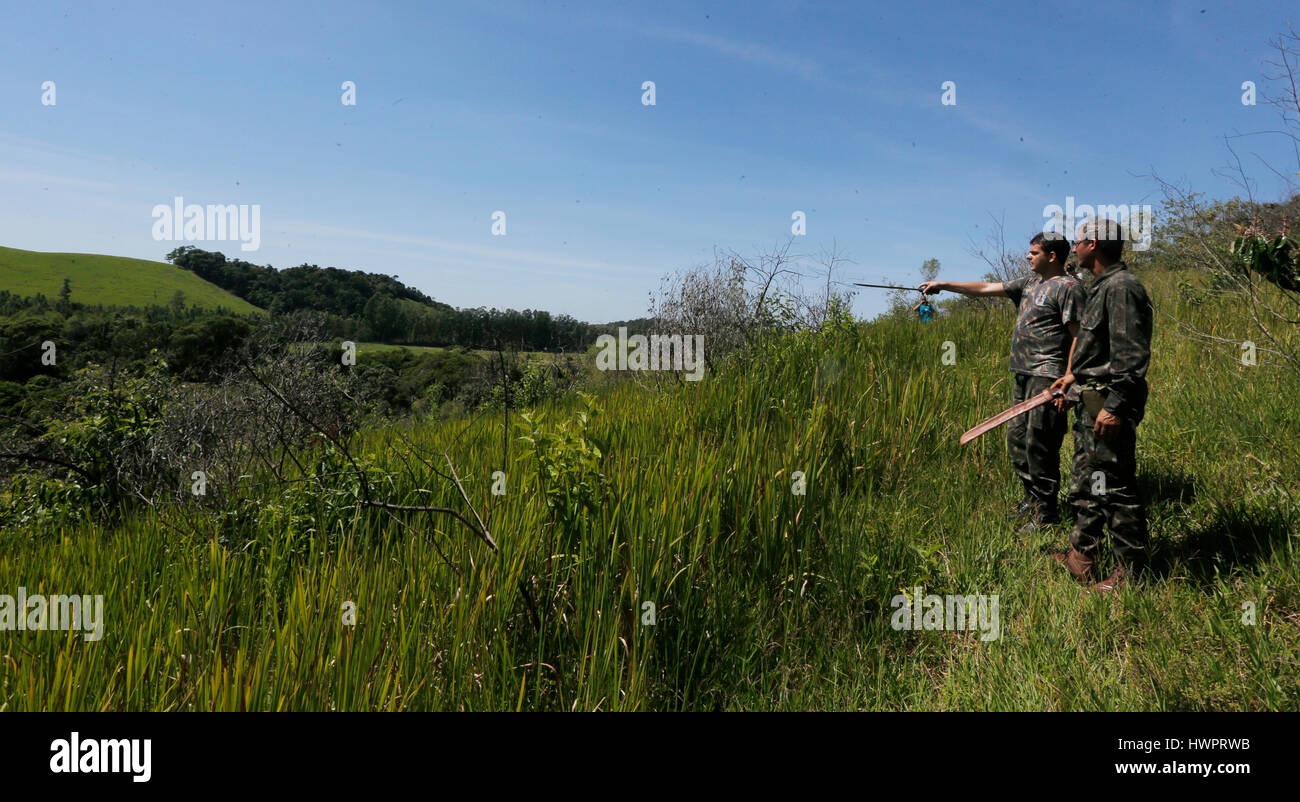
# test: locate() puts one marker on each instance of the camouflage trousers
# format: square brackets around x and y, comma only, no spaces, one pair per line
[1104,491]
[1034,442]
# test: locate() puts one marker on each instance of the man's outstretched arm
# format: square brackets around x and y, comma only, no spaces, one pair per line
[976,288]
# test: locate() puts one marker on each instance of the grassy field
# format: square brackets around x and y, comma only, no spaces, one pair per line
[110,280]
[763,598]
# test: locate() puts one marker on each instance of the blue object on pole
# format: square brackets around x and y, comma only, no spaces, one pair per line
[925,311]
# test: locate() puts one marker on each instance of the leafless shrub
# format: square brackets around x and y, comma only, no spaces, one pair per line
[738,298]
[284,388]
[1004,264]
[708,300]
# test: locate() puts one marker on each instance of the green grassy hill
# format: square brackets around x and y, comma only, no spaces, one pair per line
[109,280]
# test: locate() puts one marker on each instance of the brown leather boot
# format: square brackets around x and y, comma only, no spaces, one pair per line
[1078,564]
[1111,583]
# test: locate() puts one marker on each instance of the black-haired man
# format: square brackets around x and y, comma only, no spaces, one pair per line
[1050,305]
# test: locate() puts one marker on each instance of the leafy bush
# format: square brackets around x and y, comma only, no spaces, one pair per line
[568,464]
[1273,258]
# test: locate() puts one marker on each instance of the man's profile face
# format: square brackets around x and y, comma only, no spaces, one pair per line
[1038,258]
[1086,250]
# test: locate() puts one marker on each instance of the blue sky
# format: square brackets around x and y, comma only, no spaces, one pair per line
[535,109]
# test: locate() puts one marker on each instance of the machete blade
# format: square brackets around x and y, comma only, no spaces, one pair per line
[1002,417]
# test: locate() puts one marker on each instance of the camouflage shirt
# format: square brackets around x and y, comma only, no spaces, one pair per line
[1041,343]
[1114,347]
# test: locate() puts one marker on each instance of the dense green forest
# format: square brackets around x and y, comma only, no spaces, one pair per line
[368,306]
[43,345]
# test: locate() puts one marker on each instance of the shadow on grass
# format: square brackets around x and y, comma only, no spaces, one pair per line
[1237,536]
[1156,488]
[1162,487]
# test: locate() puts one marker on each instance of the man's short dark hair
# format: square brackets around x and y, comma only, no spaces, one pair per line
[1053,243]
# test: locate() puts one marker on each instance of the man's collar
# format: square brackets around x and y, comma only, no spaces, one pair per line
[1040,277]
[1109,271]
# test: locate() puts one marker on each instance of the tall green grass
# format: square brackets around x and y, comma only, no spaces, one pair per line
[763,598]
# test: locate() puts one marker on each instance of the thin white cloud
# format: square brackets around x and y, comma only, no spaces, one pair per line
[478,251]
[751,52]
[449,266]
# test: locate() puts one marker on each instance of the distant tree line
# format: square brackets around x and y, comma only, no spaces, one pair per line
[375,307]
[306,287]
[196,345]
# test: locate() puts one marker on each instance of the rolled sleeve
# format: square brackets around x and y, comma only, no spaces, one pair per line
[1072,305]
[1015,289]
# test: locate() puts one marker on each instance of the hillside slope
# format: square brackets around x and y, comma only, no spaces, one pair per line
[658,551]
[110,280]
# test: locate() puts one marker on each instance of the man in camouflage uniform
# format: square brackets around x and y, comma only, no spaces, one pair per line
[1109,364]
[1050,305]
